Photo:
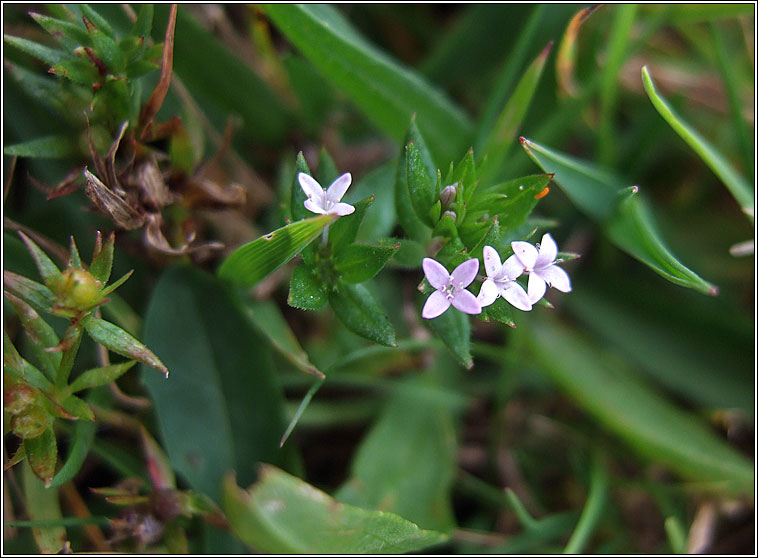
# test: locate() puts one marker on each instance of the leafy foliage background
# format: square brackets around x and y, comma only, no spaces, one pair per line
[621,420]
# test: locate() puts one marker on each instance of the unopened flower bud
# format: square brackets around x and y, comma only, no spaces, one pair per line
[77,289]
[31,423]
[448,194]
[451,214]
[17,398]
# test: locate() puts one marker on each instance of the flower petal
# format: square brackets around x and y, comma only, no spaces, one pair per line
[466,302]
[436,273]
[537,287]
[435,305]
[556,278]
[526,253]
[338,188]
[313,206]
[548,251]
[341,208]
[311,188]
[516,296]
[492,263]
[512,268]
[465,273]
[488,293]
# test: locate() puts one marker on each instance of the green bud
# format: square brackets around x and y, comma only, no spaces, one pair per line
[31,423]
[77,289]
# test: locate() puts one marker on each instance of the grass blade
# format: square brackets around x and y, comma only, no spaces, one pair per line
[737,185]
[387,92]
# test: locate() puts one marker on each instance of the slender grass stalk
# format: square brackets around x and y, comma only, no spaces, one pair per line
[593,509]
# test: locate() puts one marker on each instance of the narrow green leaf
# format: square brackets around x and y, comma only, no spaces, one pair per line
[606,389]
[356,307]
[95,377]
[78,408]
[343,231]
[739,187]
[41,335]
[82,439]
[504,132]
[78,70]
[119,341]
[632,229]
[116,284]
[68,34]
[144,23]
[17,366]
[107,50]
[512,201]
[42,455]
[621,212]
[47,147]
[267,318]
[454,328]
[102,259]
[280,514]
[412,225]
[301,409]
[50,56]
[414,479]
[96,19]
[253,261]
[386,92]
[359,262]
[42,505]
[47,269]
[306,290]
[421,190]
[35,294]
[592,189]
[224,389]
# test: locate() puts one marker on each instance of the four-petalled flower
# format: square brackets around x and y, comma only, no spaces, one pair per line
[326,201]
[451,288]
[541,267]
[501,281]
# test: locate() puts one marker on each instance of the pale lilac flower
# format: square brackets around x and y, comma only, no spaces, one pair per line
[451,288]
[326,201]
[541,267]
[501,281]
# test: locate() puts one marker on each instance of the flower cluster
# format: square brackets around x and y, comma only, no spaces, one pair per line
[539,262]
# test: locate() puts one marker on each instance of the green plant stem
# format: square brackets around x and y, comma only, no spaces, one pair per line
[676,535]
[726,67]
[301,409]
[593,509]
[67,361]
[617,52]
